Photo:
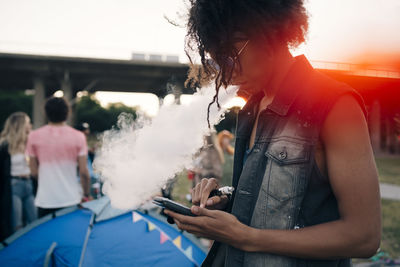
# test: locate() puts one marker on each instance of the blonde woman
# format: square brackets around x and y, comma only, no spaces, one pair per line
[15,168]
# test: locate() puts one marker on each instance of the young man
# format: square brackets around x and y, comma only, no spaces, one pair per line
[306,186]
[56,150]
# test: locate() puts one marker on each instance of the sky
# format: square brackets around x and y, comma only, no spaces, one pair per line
[340,30]
[90,28]
[356,31]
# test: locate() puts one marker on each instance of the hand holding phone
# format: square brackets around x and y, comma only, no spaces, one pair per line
[173,206]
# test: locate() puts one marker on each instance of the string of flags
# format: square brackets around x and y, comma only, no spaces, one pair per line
[163,236]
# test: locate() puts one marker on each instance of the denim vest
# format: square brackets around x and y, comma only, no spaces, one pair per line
[279,185]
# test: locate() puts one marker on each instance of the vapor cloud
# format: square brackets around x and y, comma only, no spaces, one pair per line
[137,160]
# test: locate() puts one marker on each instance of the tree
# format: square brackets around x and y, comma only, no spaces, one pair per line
[13,101]
[89,110]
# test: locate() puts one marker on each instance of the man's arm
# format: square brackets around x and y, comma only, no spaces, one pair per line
[84,175]
[354,180]
[353,177]
[34,166]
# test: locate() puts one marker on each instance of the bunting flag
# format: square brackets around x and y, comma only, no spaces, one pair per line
[189,252]
[177,242]
[163,237]
[136,216]
[150,226]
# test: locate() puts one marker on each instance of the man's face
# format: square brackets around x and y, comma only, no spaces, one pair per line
[256,68]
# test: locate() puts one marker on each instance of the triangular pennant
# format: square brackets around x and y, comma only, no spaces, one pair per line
[136,216]
[163,237]
[177,241]
[150,226]
[189,252]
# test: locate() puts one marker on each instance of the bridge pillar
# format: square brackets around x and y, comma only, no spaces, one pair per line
[66,87]
[375,126]
[177,91]
[39,117]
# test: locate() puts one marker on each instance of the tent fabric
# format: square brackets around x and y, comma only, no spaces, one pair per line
[123,239]
[131,242]
[103,210]
[68,231]
[167,231]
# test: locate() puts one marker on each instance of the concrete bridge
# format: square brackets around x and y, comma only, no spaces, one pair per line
[47,74]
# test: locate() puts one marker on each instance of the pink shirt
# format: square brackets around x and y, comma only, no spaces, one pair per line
[57,149]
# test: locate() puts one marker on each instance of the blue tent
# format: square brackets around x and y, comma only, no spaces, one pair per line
[98,235]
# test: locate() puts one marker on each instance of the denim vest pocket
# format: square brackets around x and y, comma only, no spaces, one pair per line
[287,168]
[286,151]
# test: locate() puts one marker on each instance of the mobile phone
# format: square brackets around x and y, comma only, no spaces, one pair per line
[172,205]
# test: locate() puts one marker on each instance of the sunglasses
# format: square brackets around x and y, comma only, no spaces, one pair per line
[228,62]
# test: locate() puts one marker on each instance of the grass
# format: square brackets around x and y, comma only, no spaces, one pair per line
[182,187]
[389,169]
[391,228]
[389,172]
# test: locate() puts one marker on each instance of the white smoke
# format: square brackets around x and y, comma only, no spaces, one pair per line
[138,159]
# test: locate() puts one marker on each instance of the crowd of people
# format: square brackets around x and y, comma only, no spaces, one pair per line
[42,170]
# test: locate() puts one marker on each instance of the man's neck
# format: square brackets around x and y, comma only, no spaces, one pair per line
[57,123]
[283,64]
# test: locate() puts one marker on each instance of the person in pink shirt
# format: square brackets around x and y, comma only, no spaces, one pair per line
[56,151]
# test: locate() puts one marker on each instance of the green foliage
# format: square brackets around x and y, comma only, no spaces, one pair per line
[100,119]
[13,101]
[389,169]
[391,228]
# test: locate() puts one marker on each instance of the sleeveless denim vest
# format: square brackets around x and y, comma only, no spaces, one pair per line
[279,185]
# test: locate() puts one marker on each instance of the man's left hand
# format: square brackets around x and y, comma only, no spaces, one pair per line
[212,224]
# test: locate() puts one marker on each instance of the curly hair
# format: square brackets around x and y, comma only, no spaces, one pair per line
[213,25]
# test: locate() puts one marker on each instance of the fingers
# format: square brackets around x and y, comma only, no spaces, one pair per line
[187,227]
[206,188]
[203,185]
[216,201]
[196,193]
[199,211]
[201,191]
[193,220]
[213,201]
[202,225]
[173,214]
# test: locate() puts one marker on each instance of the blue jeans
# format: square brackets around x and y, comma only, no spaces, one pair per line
[24,210]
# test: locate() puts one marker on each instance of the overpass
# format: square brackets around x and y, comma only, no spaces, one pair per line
[47,74]
[380,89]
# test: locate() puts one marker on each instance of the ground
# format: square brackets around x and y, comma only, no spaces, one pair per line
[391,228]
[389,172]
